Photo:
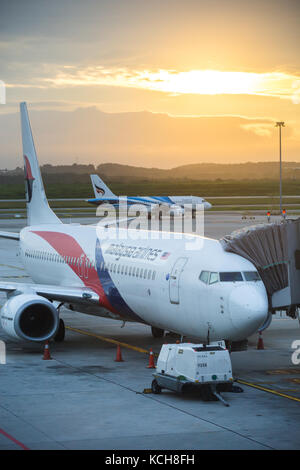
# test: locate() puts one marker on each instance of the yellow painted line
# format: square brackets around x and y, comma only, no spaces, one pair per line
[109,340]
[13,277]
[283,371]
[10,266]
[268,390]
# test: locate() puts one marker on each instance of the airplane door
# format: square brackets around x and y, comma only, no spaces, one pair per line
[174,280]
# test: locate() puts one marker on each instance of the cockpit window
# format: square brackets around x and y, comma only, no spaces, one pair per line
[214,277]
[231,277]
[251,276]
[204,276]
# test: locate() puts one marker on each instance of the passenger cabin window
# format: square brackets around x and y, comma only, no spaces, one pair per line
[204,276]
[213,278]
[231,277]
[251,276]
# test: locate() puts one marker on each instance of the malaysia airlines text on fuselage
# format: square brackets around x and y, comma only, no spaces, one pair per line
[155,282]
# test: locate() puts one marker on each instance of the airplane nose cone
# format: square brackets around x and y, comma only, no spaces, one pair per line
[207,205]
[248,306]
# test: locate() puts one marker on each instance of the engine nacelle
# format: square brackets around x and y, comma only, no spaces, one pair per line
[30,317]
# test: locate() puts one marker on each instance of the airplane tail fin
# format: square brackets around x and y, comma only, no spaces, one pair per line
[100,188]
[38,210]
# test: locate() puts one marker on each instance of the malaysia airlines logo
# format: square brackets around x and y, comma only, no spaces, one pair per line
[28,178]
[99,190]
[165,255]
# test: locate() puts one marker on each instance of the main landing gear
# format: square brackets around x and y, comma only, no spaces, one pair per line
[157,332]
[60,334]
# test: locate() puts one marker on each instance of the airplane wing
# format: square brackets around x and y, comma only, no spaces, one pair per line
[62,294]
[10,235]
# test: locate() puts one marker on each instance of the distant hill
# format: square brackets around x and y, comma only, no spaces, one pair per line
[117,173]
[201,171]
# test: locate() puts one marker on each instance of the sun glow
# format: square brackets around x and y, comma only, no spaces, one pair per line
[203,82]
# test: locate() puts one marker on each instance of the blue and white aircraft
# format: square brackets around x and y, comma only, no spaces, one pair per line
[176,203]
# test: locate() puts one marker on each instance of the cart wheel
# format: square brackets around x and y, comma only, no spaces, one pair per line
[155,387]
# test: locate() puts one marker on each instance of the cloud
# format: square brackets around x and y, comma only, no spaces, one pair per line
[198,82]
[259,128]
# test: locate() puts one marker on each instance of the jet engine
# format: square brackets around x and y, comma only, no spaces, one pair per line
[30,317]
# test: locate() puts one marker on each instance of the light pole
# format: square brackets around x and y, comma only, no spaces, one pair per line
[280,125]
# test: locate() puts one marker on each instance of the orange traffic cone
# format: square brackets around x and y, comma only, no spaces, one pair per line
[151,364]
[46,356]
[119,354]
[260,342]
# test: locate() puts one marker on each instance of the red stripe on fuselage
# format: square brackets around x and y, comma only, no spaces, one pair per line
[66,245]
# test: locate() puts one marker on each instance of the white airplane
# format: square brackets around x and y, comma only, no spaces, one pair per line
[207,294]
[176,203]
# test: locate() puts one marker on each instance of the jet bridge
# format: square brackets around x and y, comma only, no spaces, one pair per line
[274,249]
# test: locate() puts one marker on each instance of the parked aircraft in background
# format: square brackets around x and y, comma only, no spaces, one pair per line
[176,203]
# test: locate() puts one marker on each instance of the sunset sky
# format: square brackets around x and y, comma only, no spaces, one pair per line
[220,73]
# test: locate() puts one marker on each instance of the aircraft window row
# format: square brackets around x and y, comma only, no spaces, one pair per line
[212,277]
[53,257]
[142,273]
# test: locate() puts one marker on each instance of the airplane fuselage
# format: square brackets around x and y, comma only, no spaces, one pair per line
[153,281]
[150,201]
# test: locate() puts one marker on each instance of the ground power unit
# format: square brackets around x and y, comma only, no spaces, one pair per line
[185,365]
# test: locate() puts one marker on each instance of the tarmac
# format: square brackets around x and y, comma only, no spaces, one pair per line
[83,399]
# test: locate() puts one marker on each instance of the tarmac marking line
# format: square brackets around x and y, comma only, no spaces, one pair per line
[14,440]
[268,390]
[13,277]
[10,266]
[109,340]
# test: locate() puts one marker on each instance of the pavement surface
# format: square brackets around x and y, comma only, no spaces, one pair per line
[83,399]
